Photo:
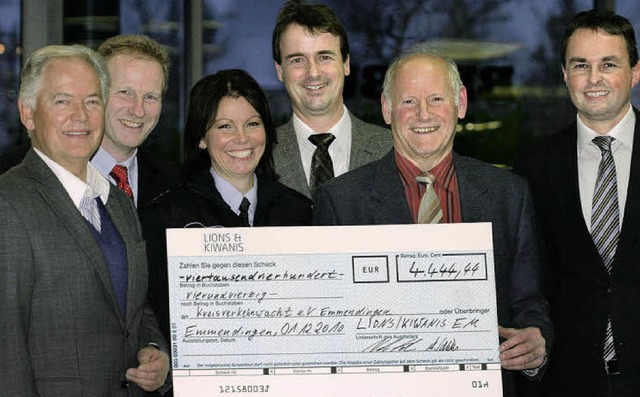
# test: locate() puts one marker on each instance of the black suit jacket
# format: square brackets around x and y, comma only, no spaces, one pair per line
[581,293]
[373,194]
[155,177]
[197,203]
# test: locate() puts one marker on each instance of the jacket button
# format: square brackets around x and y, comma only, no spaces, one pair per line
[124,384]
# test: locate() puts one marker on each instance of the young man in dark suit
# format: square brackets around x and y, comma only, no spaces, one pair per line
[586,188]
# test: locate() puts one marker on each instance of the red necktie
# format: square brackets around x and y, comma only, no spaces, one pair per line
[120,174]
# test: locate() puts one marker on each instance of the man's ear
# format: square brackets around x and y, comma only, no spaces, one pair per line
[386,109]
[635,74]
[26,116]
[279,71]
[462,100]
[347,65]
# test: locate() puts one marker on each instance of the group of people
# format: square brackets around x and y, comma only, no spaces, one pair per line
[83,266]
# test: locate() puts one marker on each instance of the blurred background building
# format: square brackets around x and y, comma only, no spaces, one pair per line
[507,51]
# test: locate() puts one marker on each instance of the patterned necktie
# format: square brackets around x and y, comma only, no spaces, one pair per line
[244,212]
[120,174]
[321,164]
[605,222]
[430,210]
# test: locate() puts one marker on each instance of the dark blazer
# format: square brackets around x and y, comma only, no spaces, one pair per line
[374,195]
[155,177]
[198,203]
[369,142]
[581,293]
[63,332]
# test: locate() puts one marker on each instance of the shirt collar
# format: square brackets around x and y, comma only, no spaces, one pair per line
[232,196]
[409,171]
[341,130]
[622,132]
[95,186]
[105,162]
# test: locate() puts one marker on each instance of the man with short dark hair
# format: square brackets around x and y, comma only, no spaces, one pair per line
[322,139]
[585,182]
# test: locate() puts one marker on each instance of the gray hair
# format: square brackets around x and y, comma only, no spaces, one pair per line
[421,49]
[31,77]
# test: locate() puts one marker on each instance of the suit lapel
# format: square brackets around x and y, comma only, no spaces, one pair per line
[360,148]
[472,192]
[631,219]
[288,160]
[564,183]
[146,181]
[62,206]
[388,200]
[115,208]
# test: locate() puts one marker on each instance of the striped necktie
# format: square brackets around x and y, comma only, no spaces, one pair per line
[321,163]
[430,210]
[605,220]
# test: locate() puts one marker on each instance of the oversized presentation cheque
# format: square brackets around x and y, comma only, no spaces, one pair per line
[389,311]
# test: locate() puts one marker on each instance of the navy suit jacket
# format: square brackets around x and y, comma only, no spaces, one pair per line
[581,293]
[374,195]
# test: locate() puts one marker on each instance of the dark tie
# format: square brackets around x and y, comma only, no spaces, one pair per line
[120,174]
[430,210]
[321,164]
[605,219]
[244,211]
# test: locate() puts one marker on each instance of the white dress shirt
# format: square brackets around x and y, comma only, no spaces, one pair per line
[95,186]
[340,149]
[589,156]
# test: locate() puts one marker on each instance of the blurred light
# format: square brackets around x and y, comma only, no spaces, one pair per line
[2,48]
[472,50]
[478,127]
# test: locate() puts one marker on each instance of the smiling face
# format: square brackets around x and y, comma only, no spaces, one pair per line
[135,102]
[66,124]
[313,72]
[422,111]
[235,142]
[599,77]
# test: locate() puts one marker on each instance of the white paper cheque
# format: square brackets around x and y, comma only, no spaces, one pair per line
[389,311]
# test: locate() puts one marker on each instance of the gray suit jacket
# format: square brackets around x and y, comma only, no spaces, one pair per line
[374,195]
[63,333]
[369,143]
